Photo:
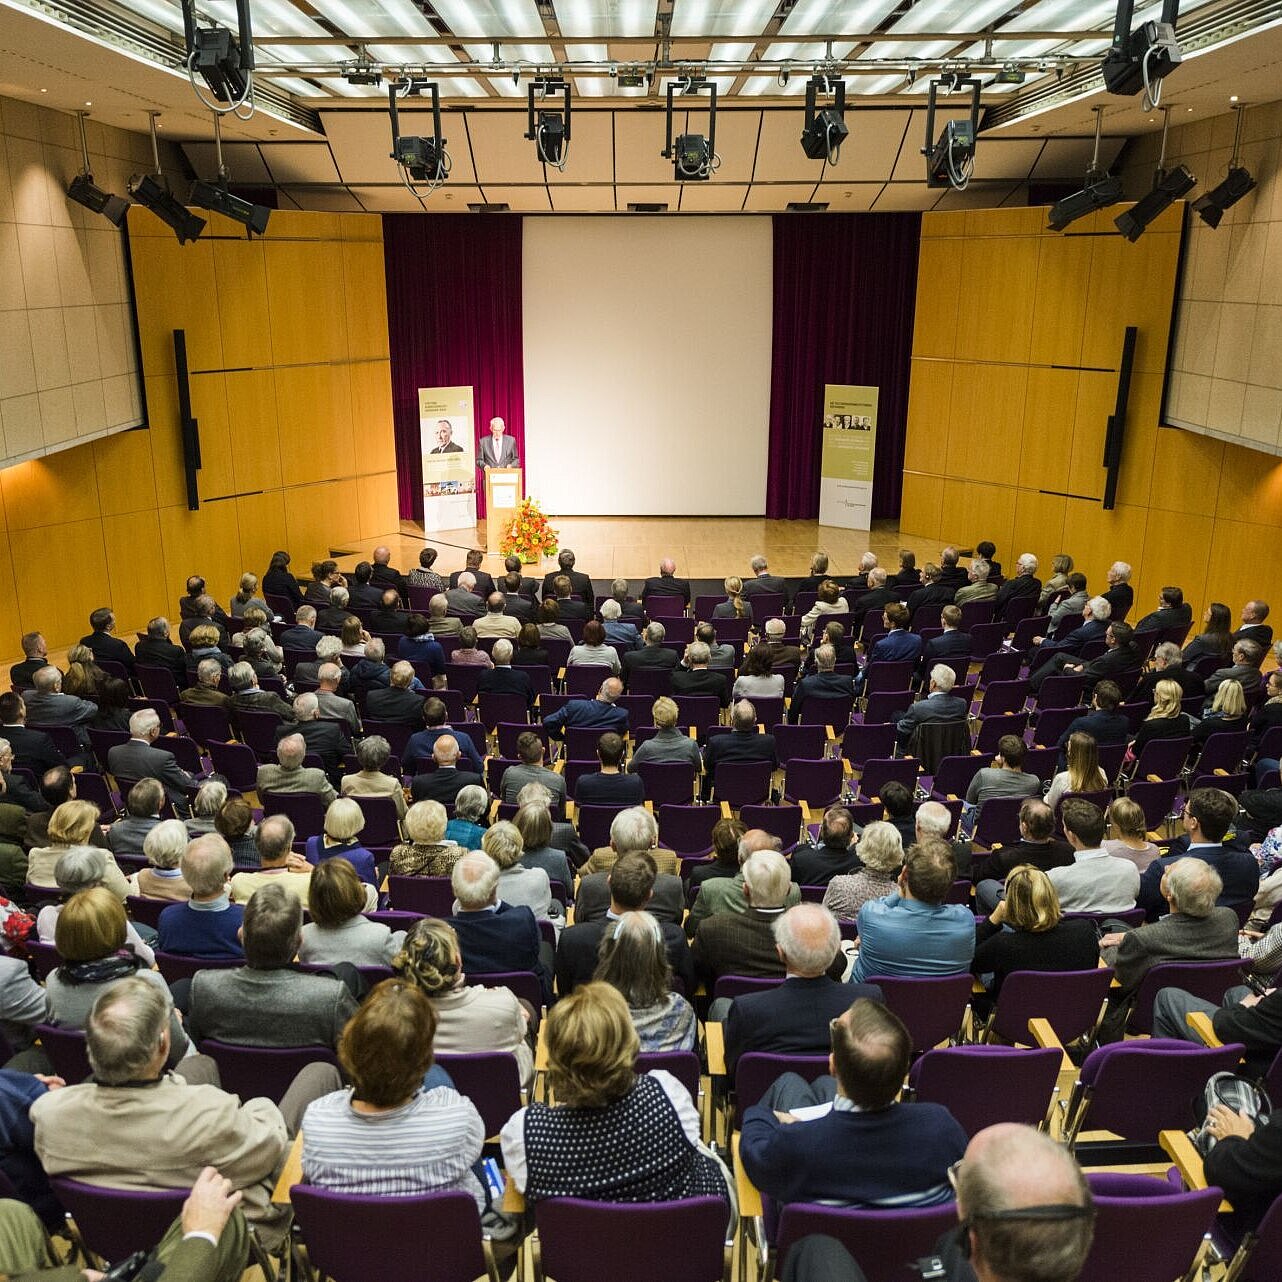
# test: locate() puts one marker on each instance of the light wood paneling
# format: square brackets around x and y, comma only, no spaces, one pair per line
[165,440]
[314,409]
[1063,263]
[253,430]
[63,577]
[1096,397]
[1188,475]
[371,409]
[125,474]
[1236,569]
[261,519]
[308,311]
[1250,483]
[49,491]
[1169,538]
[1047,446]
[206,542]
[1095,539]
[365,297]
[1039,528]
[939,277]
[241,274]
[1000,284]
[973,511]
[921,508]
[1130,284]
[987,420]
[175,288]
[136,569]
[209,405]
[320,517]
[376,500]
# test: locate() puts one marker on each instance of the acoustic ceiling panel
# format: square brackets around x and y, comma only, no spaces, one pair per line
[362,142]
[521,200]
[717,198]
[300,162]
[1005,157]
[500,149]
[244,163]
[1068,158]
[448,200]
[901,196]
[779,154]
[736,143]
[849,198]
[978,195]
[591,158]
[331,200]
[638,140]
[569,199]
[773,198]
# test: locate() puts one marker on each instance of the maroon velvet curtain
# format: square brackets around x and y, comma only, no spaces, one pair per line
[454,319]
[844,291]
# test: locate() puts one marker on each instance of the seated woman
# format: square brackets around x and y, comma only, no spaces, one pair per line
[613,1135]
[634,961]
[371,780]
[391,1132]
[164,847]
[234,823]
[344,822]
[337,931]
[757,677]
[84,869]
[417,643]
[530,651]
[829,601]
[549,622]
[1269,713]
[734,606]
[209,800]
[1168,720]
[593,652]
[113,705]
[203,640]
[70,827]
[519,884]
[1227,715]
[726,835]
[1130,833]
[1215,639]
[90,937]
[1038,938]
[247,598]
[426,853]
[468,1018]
[467,828]
[881,847]
[1083,773]
[84,678]
[353,636]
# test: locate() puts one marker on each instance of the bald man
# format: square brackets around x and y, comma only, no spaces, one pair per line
[666,583]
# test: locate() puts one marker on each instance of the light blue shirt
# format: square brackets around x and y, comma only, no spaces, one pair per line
[900,936]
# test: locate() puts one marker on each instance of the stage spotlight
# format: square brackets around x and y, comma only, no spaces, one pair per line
[551,133]
[216,197]
[422,160]
[82,190]
[825,129]
[148,190]
[1210,208]
[1143,58]
[694,156]
[225,62]
[950,159]
[362,71]
[1099,191]
[1168,189]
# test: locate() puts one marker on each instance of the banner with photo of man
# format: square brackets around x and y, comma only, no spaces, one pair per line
[448,442]
[849,448]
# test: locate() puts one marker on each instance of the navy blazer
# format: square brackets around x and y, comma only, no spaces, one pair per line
[791,1019]
[506,680]
[821,686]
[1103,727]
[506,939]
[1238,870]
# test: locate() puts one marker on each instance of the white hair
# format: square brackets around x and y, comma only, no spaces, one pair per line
[633,830]
[767,876]
[474,880]
[808,937]
[1027,563]
[144,722]
[882,847]
[328,648]
[611,609]
[1122,570]
[979,570]
[934,819]
[943,677]
[1101,607]
[1193,886]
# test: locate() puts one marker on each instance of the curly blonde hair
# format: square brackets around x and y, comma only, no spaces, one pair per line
[430,958]
[592,1046]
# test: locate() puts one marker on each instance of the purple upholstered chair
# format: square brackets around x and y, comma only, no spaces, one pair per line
[816,783]
[250,1071]
[1208,980]
[742,783]
[683,1065]
[431,896]
[1256,1254]
[490,1080]
[1164,758]
[495,706]
[523,983]
[176,966]
[594,822]
[998,822]
[982,1085]
[668,782]
[158,683]
[783,821]
[114,1223]
[1072,1000]
[1004,696]
[237,763]
[953,775]
[883,1242]
[992,728]
[881,770]
[1223,751]
[882,706]
[205,722]
[932,1007]
[66,1050]
[1063,691]
[862,741]
[382,826]
[305,809]
[800,741]
[687,829]
[1156,799]
[755,1072]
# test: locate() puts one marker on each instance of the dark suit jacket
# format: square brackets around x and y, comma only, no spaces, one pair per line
[32,749]
[667,903]
[815,865]
[517,605]
[953,576]
[1260,633]
[738,745]
[876,599]
[1188,681]
[931,594]
[386,621]
[580,586]
[387,703]
[1041,854]
[300,638]
[1249,677]
[327,739]
[1121,598]
[1167,617]
[768,584]
[506,939]
[506,680]
[444,786]
[666,585]
[1103,727]
[822,686]
[576,954]
[384,576]
[792,1019]
[156,653]
[597,789]
[649,656]
[738,944]
[936,707]
[281,583]
[105,646]
[1121,658]
[952,645]
[573,608]
[138,760]
[333,616]
[1020,586]
[1238,870]
[484,581]
[365,596]
[702,681]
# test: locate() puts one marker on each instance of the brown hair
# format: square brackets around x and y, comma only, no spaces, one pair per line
[91,925]
[871,1049]
[592,1046]
[335,893]
[931,869]
[386,1047]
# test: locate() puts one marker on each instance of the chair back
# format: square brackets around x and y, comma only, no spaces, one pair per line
[952,776]
[258,730]
[1156,799]
[43,957]
[236,762]
[1072,1000]
[650,681]
[429,896]
[490,1080]
[931,1006]
[668,782]
[817,783]
[206,722]
[157,683]
[698,710]
[523,983]
[93,787]
[494,706]
[860,741]
[114,1223]
[305,809]
[1015,610]
[791,742]
[742,783]
[1259,1251]
[756,1072]
[65,1048]
[732,986]
[983,1085]
[1053,722]
[176,966]
[881,770]
[828,712]
[932,741]
[1209,980]
[998,823]
[783,821]
[64,738]
[993,728]
[1004,696]
[352,1237]
[1223,750]
[687,829]
[683,1065]
[251,1071]
[382,826]
[1062,691]
[889,674]
[883,706]
[594,824]
[1164,758]
[926,616]
[146,910]
[463,677]
[986,639]
[101,742]
[882,1241]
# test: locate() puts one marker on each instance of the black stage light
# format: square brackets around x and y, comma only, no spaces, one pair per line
[1210,208]
[1168,189]
[551,134]
[825,128]
[694,156]
[216,197]
[951,157]
[224,61]
[1099,192]
[82,190]
[422,160]
[148,190]
[1143,58]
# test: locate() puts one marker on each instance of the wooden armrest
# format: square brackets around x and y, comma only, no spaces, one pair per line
[558,766]
[952,796]
[383,887]
[976,987]
[569,810]
[726,812]
[560,674]
[715,1043]
[832,733]
[513,1198]
[693,732]
[1219,770]
[1188,1161]
[1154,778]
[749,1195]
[649,805]
[847,769]
[1200,1023]
[291,1173]
[805,812]
[541,1050]
[1045,1036]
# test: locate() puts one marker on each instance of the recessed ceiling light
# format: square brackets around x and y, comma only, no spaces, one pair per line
[44,91]
[1233,97]
[88,104]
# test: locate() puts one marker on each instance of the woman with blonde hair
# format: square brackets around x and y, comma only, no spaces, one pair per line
[469,1018]
[881,847]
[1168,720]
[1130,833]
[83,678]
[1038,938]
[337,931]
[518,884]
[247,598]
[426,853]
[344,822]
[734,606]
[1083,773]
[634,960]
[1227,715]
[829,600]
[70,827]
[613,1135]
[1061,564]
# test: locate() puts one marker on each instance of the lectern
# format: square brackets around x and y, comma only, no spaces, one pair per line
[503,494]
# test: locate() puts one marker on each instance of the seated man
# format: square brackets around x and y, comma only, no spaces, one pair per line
[398,701]
[1103,723]
[867,1150]
[618,630]
[977,586]
[743,743]
[371,780]
[1120,655]
[325,739]
[1253,626]
[142,814]
[631,881]
[445,782]
[726,894]
[666,583]
[530,751]
[206,692]
[915,932]
[695,677]
[1025,583]
[1006,777]
[268,1001]
[1168,665]
[633,831]
[495,622]
[140,758]
[940,704]
[823,688]
[1096,882]
[208,924]
[436,723]
[248,696]
[1173,611]
[1245,668]
[816,863]
[1052,657]
[291,775]
[602,711]
[32,749]
[897,646]
[278,866]
[952,643]
[47,705]
[796,1017]
[1037,845]
[609,786]
[669,743]
[503,678]
[1243,1016]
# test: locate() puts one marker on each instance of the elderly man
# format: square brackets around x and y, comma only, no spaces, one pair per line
[304,635]
[652,654]
[205,614]
[743,743]
[1168,665]
[978,587]
[666,583]
[668,743]
[48,706]
[914,931]
[878,596]
[617,631]
[248,696]
[398,701]
[463,598]
[816,863]
[728,894]
[1075,585]
[335,613]
[35,656]
[503,678]
[208,924]
[694,677]
[436,723]
[371,672]
[1120,594]
[371,780]
[495,937]
[1253,627]
[32,749]
[1244,668]
[440,621]
[867,1150]
[602,712]
[530,752]
[269,1002]
[382,574]
[939,705]
[495,622]
[762,581]
[862,579]
[291,775]
[781,654]
[327,650]
[1023,583]
[445,782]
[14,789]
[633,831]
[1037,845]
[388,617]
[206,692]
[279,866]
[824,687]
[1052,657]
[156,650]
[142,814]
[141,759]
[795,1018]
[132,1107]
[631,882]
[1095,882]
[483,584]
[327,739]
[333,706]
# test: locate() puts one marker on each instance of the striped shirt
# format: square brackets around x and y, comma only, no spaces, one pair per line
[425,1146]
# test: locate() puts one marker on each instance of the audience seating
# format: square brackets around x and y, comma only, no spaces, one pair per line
[932,1007]
[983,1085]
[250,1071]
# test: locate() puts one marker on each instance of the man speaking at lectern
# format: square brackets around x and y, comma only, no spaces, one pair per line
[500,449]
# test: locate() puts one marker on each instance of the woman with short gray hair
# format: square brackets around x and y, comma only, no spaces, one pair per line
[467,828]
[164,847]
[85,868]
[371,780]
[882,850]
[517,883]
[209,800]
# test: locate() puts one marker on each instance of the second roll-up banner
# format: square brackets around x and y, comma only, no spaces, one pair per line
[849,448]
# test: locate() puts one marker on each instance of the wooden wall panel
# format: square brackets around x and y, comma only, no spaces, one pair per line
[1047,446]
[136,570]
[206,542]
[375,450]
[1177,550]
[986,423]
[1095,539]
[921,508]
[1063,262]
[308,311]
[365,298]
[996,314]
[49,491]
[1238,567]
[209,405]
[321,517]
[939,280]
[1130,284]
[1096,397]
[175,288]
[1250,483]
[165,439]
[254,431]
[314,408]
[973,511]
[1038,528]
[241,273]
[377,504]
[61,577]
[261,520]
[126,476]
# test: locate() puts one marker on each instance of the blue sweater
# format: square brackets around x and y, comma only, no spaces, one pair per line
[195,933]
[18,1091]
[352,851]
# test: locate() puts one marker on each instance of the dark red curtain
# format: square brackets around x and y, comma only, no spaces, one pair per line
[454,319]
[845,287]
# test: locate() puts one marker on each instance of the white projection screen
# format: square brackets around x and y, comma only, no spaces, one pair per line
[647,364]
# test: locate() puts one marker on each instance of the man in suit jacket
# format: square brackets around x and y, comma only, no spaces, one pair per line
[496,622]
[1168,665]
[397,701]
[1103,722]
[1244,668]
[940,704]
[156,650]
[102,623]
[246,695]
[484,583]
[1052,657]
[601,712]
[580,584]
[503,678]
[696,678]
[516,603]
[32,749]
[780,653]
[727,894]
[876,598]
[1253,626]
[445,782]
[1120,656]
[952,643]
[462,599]
[207,614]
[529,749]
[666,583]
[1037,845]
[141,759]
[383,575]
[824,686]
[977,586]
[763,583]
[1173,611]
[1208,815]
[499,449]
[445,442]
[327,739]
[652,654]
[48,706]
[1025,583]
[931,592]
[1120,594]
[389,617]
[436,723]
[631,881]
[816,863]
[743,743]
[304,635]
[868,1150]
[951,574]
[495,937]
[334,706]
[290,775]
[528,588]
[795,1018]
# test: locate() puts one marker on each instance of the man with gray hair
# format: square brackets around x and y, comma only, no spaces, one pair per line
[652,654]
[823,687]
[48,706]
[794,1018]
[158,651]
[503,678]
[728,894]
[495,937]
[335,613]
[334,706]
[694,677]
[1050,657]
[628,608]
[141,759]
[439,620]
[1024,583]
[445,782]
[633,831]
[617,632]
[302,635]
[743,743]
[398,701]
[861,580]
[206,692]
[940,704]
[247,696]
[495,622]
[666,583]
[763,583]
[1120,594]
[291,775]
[208,924]
[142,814]
[1168,665]
[326,739]
[781,653]
[327,650]
[370,672]
[462,598]
[978,587]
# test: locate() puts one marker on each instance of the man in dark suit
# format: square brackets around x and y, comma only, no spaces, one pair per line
[140,758]
[48,706]
[1037,845]
[1253,626]
[445,442]
[1120,594]
[207,614]
[102,623]
[631,881]
[1103,722]
[436,723]
[529,588]
[951,574]
[875,600]
[503,678]
[388,617]
[327,739]
[653,654]
[940,704]
[362,592]
[856,583]
[445,782]
[1245,668]
[156,650]
[697,678]
[743,743]
[382,575]
[816,863]
[483,583]
[602,711]
[1173,611]
[36,652]
[796,1017]
[568,604]
[333,615]
[666,583]
[248,697]
[952,643]
[580,584]
[303,635]
[1025,583]
[762,581]
[498,449]
[32,749]
[494,937]
[629,610]
[1120,656]
[824,686]
[515,602]
[1052,657]
[931,592]
[1168,665]
[397,701]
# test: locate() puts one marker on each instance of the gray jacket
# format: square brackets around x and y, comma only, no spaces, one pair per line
[516,777]
[1175,937]
[125,836]
[283,1007]
[139,760]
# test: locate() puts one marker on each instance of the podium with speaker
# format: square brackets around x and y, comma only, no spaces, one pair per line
[504,490]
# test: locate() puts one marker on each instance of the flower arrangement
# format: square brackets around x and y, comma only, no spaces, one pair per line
[529,536]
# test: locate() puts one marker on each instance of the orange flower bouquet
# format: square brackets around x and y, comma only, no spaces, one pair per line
[529,535]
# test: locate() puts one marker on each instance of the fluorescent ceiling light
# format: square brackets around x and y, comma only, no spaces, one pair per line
[491,19]
[964,16]
[694,18]
[375,17]
[874,85]
[608,18]
[837,16]
[909,50]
